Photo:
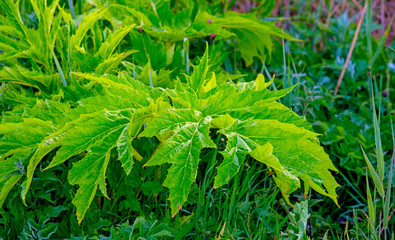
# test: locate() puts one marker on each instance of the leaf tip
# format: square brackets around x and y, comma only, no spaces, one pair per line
[79,219]
[178,209]
[24,201]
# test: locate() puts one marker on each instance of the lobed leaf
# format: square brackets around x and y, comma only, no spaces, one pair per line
[182,149]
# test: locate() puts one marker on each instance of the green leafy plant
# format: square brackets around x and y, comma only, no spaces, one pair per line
[180,118]
[144,229]
[107,101]
[197,19]
[297,225]
[44,229]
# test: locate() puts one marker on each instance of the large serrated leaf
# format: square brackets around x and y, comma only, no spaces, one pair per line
[253,123]
[198,77]
[295,148]
[85,25]
[89,173]
[17,145]
[96,133]
[97,126]
[236,150]
[253,36]
[182,149]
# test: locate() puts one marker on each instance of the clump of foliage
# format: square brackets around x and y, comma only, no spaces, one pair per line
[298,220]
[346,120]
[107,101]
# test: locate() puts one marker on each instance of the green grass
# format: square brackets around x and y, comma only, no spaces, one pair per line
[346,119]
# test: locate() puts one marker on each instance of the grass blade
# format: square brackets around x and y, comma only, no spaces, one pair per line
[186,55]
[386,209]
[355,218]
[372,214]
[381,44]
[59,69]
[377,138]
[376,179]
[326,235]
[368,27]
[71,7]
